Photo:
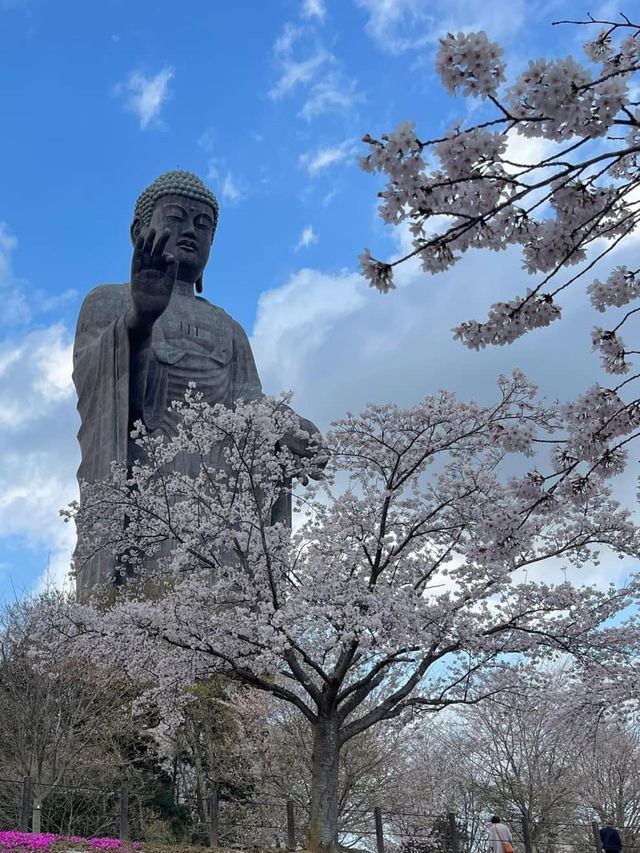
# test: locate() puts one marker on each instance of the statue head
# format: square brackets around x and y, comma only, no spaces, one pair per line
[180,202]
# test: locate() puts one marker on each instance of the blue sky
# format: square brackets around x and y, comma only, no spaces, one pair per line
[266,100]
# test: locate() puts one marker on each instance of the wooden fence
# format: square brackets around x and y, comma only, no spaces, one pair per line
[30,821]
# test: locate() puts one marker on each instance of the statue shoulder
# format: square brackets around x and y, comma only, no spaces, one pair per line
[108,294]
[103,304]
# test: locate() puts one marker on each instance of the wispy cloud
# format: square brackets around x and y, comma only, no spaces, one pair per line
[293,322]
[400,25]
[38,452]
[304,63]
[207,140]
[322,158]
[307,238]
[144,96]
[232,191]
[313,9]
[333,93]
[19,303]
[294,72]
[230,188]
[7,244]
[35,374]
[14,306]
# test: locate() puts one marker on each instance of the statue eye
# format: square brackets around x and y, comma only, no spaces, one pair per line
[174,213]
[203,221]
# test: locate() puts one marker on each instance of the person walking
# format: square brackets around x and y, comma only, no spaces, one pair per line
[610,838]
[500,840]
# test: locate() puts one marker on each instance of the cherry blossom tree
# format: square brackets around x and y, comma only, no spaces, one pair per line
[409,574]
[60,720]
[566,211]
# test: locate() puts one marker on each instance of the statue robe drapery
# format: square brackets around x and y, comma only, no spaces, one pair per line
[192,340]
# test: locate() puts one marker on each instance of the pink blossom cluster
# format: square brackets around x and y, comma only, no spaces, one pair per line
[613,55]
[595,421]
[508,321]
[558,99]
[560,209]
[621,287]
[470,62]
[461,154]
[29,841]
[611,349]
[377,273]
[390,580]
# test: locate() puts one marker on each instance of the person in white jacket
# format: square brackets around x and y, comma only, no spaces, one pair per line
[500,840]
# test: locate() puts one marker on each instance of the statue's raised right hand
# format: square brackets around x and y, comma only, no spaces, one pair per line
[153,275]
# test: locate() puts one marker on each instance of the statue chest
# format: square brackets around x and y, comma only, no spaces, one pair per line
[194,328]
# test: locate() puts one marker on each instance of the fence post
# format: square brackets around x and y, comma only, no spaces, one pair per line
[377,815]
[453,833]
[36,813]
[596,836]
[291,826]
[526,836]
[124,814]
[26,804]
[212,814]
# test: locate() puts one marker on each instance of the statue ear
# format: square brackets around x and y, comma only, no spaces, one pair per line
[136,228]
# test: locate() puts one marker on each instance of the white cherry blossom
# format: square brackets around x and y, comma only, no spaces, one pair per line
[403,584]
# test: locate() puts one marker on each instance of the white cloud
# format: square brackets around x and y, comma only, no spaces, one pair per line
[294,321]
[304,63]
[313,9]
[400,25]
[338,344]
[145,96]
[54,364]
[213,169]
[307,238]
[231,191]
[293,73]
[34,486]
[14,307]
[323,158]
[333,93]
[7,244]
[38,448]
[284,43]
[18,302]
[207,140]
[526,150]
[35,375]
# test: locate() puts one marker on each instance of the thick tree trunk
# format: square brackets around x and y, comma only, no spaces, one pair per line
[323,824]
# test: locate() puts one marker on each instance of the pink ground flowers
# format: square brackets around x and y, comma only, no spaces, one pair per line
[45,841]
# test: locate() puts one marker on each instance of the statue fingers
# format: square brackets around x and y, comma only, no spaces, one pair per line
[157,252]
[136,261]
[147,247]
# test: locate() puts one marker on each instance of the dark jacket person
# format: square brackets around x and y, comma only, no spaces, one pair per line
[610,838]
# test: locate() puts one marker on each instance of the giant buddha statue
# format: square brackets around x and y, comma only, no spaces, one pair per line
[139,345]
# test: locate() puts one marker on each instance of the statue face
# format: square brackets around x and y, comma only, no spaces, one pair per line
[191,225]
